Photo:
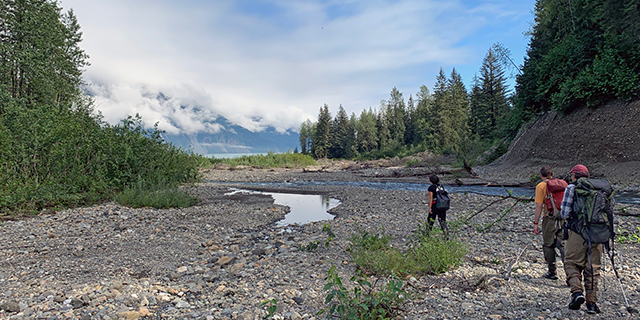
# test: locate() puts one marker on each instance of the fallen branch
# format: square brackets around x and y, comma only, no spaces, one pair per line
[507,275]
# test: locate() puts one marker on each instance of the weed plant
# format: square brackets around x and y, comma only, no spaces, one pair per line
[143,196]
[625,236]
[270,160]
[430,252]
[365,300]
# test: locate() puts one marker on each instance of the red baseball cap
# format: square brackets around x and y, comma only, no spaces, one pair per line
[580,169]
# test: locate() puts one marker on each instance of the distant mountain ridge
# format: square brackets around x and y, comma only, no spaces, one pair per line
[235,139]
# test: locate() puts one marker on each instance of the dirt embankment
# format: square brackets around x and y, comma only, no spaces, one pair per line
[606,140]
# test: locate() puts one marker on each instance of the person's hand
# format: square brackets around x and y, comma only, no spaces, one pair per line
[535,229]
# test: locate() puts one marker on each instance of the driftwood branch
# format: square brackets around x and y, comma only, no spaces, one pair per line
[507,275]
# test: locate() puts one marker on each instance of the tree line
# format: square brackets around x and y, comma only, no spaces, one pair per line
[582,53]
[54,150]
[451,119]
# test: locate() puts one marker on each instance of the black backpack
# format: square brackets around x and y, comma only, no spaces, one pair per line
[592,211]
[442,198]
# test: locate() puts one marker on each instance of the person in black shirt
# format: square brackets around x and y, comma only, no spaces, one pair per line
[433,211]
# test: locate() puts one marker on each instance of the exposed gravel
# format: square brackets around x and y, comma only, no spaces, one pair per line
[220,259]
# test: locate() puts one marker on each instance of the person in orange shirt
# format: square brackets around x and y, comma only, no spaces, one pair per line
[551,227]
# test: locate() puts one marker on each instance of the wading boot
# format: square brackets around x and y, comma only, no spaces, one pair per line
[551,274]
[577,299]
[592,308]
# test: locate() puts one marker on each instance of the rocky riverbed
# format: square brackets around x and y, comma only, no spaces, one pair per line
[221,258]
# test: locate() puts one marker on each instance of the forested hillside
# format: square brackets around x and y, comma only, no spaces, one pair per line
[53,150]
[582,54]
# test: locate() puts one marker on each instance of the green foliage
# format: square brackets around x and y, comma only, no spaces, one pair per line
[330,235]
[625,236]
[54,151]
[62,157]
[270,160]
[321,141]
[582,53]
[272,306]
[364,301]
[142,195]
[428,253]
[310,247]
[434,254]
[489,104]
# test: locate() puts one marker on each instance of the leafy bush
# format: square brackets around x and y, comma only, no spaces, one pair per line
[270,160]
[433,254]
[67,157]
[364,301]
[142,196]
[429,253]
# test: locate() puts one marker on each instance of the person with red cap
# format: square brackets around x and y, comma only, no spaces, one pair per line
[578,265]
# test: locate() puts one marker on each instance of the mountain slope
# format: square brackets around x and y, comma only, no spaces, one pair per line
[606,140]
[235,139]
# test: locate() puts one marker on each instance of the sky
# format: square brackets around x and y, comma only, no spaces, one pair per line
[275,63]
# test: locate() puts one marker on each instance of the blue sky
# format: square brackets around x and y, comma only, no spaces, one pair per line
[274,63]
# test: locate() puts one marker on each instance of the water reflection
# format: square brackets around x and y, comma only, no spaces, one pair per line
[305,208]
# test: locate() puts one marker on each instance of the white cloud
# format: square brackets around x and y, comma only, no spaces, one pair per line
[258,69]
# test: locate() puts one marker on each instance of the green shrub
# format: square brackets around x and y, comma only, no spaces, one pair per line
[364,301]
[142,196]
[429,253]
[58,157]
[270,160]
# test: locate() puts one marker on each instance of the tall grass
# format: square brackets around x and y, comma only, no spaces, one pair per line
[270,160]
[142,196]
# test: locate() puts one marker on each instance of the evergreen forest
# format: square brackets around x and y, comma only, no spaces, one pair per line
[581,54]
[55,150]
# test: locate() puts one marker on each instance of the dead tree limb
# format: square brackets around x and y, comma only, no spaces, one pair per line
[507,275]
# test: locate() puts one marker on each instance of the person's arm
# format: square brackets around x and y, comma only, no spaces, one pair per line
[536,218]
[430,200]
[541,192]
[567,202]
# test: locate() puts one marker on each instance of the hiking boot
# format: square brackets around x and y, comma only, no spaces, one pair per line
[550,275]
[577,299]
[592,308]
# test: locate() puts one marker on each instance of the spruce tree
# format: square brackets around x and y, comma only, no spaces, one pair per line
[490,107]
[41,63]
[306,135]
[322,135]
[366,132]
[340,135]
[424,117]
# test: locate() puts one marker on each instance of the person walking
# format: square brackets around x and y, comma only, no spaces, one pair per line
[582,262]
[551,226]
[434,211]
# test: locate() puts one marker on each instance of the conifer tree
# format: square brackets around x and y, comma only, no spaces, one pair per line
[440,113]
[410,123]
[41,63]
[382,123]
[322,135]
[424,117]
[490,107]
[340,141]
[395,113]
[366,132]
[306,135]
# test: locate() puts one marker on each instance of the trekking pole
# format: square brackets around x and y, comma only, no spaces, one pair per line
[626,301]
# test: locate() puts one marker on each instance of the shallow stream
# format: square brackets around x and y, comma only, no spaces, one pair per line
[621,197]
